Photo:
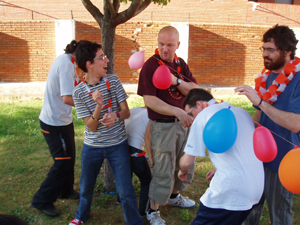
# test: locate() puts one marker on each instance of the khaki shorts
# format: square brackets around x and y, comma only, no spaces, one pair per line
[168,142]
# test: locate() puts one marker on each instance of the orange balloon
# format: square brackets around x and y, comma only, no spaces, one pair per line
[289,171]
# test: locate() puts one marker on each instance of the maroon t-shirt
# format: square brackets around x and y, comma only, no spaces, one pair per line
[146,86]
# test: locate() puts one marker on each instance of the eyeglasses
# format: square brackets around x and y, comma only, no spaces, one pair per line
[191,112]
[103,57]
[268,50]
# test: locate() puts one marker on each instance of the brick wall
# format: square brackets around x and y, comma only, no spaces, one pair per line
[219,55]
[225,55]
[194,11]
[223,41]
[126,43]
[27,49]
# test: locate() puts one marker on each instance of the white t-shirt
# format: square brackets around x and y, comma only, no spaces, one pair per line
[60,82]
[239,179]
[135,127]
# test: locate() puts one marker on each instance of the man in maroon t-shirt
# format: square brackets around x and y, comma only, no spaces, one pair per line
[169,127]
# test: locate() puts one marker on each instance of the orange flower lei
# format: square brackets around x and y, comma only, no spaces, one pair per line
[279,84]
[178,74]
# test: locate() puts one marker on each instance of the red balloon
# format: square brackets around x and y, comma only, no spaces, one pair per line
[162,78]
[265,147]
[289,172]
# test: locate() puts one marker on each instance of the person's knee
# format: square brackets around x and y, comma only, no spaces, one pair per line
[61,167]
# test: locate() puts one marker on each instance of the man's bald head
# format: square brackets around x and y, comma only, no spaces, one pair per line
[168,42]
[170,30]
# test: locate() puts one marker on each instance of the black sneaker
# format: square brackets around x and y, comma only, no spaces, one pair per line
[74,195]
[49,212]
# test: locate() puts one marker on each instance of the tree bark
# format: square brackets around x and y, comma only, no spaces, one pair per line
[108,47]
[108,44]
[109,179]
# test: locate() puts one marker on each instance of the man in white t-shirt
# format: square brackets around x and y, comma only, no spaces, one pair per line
[56,123]
[238,178]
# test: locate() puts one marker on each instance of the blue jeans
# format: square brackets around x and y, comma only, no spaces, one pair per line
[91,161]
[140,166]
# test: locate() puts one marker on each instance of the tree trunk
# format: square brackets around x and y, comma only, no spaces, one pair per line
[109,179]
[108,47]
[108,44]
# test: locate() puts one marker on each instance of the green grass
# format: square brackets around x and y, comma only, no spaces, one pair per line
[25,161]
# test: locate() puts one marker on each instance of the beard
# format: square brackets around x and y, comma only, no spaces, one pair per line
[275,64]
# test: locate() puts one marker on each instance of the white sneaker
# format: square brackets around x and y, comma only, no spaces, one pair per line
[155,219]
[181,201]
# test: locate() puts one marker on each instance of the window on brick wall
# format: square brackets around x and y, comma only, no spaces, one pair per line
[291,2]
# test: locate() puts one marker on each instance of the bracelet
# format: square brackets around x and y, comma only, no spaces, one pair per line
[118,114]
[260,102]
[94,118]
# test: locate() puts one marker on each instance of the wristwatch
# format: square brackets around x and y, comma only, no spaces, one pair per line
[178,81]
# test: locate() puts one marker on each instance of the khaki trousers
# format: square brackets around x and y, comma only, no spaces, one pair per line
[168,142]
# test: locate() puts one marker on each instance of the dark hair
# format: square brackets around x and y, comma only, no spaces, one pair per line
[86,51]
[11,220]
[72,47]
[284,38]
[196,94]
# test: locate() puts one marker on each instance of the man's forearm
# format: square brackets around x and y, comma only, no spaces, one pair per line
[185,87]
[68,99]
[288,120]
[160,106]
[186,161]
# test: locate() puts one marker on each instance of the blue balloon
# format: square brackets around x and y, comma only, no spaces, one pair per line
[220,132]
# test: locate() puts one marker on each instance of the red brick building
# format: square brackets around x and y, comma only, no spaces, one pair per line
[223,41]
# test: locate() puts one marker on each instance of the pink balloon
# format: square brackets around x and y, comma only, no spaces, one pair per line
[162,78]
[136,60]
[265,147]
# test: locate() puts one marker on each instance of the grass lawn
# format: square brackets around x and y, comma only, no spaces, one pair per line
[25,161]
